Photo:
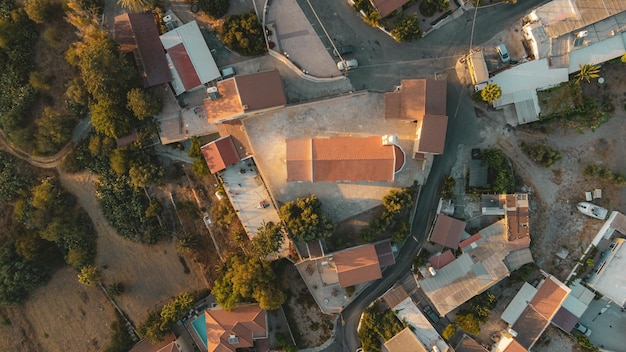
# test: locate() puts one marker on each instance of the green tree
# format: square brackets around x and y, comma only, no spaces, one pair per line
[491,93]
[373,19]
[142,175]
[54,130]
[541,154]
[188,243]
[588,72]
[142,103]
[18,276]
[215,8]
[468,323]
[249,278]
[151,328]
[199,167]
[244,34]
[38,10]
[482,305]
[89,275]
[396,201]
[268,240]
[45,195]
[78,258]
[120,340]
[135,6]
[119,160]
[407,28]
[305,219]
[176,308]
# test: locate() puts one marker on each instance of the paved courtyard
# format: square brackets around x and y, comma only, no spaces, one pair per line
[357,115]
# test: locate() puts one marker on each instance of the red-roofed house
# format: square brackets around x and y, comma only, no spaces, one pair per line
[342,159]
[386,7]
[421,101]
[440,260]
[189,58]
[447,231]
[357,265]
[242,327]
[245,94]
[138,33]
[220,154]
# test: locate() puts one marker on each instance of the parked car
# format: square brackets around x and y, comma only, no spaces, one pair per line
[585,330]
[428,310]
[343,50]
[504,54]
[346,65]
[228,72]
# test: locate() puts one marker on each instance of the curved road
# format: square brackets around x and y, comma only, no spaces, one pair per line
[382,64]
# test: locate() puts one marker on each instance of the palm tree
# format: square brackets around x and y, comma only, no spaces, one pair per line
[587,72]
[188,243]
[491,93]
[135,6]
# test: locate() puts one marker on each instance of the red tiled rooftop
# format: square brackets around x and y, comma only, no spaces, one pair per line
[357,265]
[432,138]
[470,240]
[260,91]
[447,231]
[184,67]
[549,298]
[415,99]
[440,260]
[386,7]
[246,322]
[220,154]
[336,159]
[137,32]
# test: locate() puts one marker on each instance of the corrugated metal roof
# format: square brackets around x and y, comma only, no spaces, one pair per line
[394,296]
[517,258]
[565,16]
[404,341]
[478,67]
[468,344]
[519,303]
[597,53]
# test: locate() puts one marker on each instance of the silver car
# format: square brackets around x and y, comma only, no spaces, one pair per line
[346,65]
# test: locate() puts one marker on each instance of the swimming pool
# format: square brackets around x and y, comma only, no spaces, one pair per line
[199,324]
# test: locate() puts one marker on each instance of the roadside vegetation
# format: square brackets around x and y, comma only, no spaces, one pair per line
[491,93]
[395,218]
[215,9]
[406,26]
[120,340]
[199,166]
[44,229]
[541,154]
[377,326]
[447,187]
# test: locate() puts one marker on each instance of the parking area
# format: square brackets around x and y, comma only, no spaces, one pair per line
[357,115]
[607,325]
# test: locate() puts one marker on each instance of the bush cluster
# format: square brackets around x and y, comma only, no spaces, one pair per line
[541,154]
[244,34]
[376,325]
[604,173]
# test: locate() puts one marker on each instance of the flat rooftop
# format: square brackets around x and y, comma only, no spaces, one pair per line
[249,196]
[608,277]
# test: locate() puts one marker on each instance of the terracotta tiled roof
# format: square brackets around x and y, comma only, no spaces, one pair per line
[220,154]
[137,32]
[470,240]
[184,66]
[515,347]
[168,344]
[260,91]
[432,138]
[438,261]
[392,105]
[549,297]
[386,7]
[468,344]
[357,265]
[447,231]
[245,323]
[227,105]
[394,296]
[405,341]
[619,223]
[336,159]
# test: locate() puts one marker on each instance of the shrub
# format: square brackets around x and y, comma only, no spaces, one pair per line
[541,154]
[38,10]
[491,93]
[447,189]
[40,80]
[407,28]
[468,323]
